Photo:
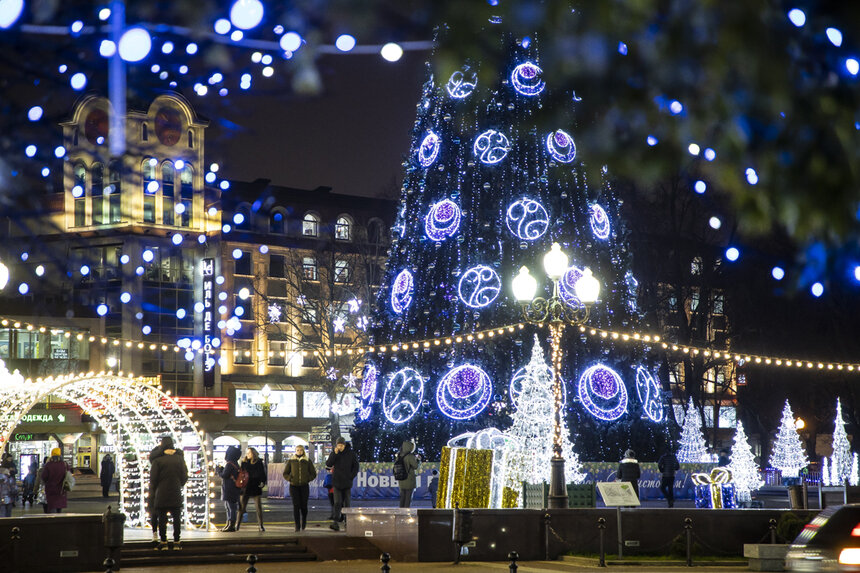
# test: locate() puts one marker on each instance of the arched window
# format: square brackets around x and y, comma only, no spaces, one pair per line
[79,191]
[167,193]
[150,188]
[343,228]
[375,232]
[186,192]
[115,190]
[190,139]
[144,131]
[97,194]
[242,218]
[277,222]
[311,225]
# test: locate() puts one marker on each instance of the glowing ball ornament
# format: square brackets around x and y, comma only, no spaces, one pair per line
[526,79]
[442,221]
[344,43]
[403,395]
[135,44]
[429,149]
[246,14]
[35,113]
[561,146]
[464,392]
[401,291]
[368,390]
[391,52]
[602,392]
[290,42]
[527,219]
[650,395]
[78,81]
[599,222]
[461,85]
[10,11]
[491,147]
[479,286]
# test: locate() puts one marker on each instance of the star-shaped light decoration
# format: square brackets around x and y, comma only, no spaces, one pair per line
[338,323]
[274,312]
[354,305]
[332,373]
[351,380]
[362,322]
[301,300]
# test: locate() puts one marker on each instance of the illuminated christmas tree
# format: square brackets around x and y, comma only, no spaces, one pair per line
[788,455]
[490,185]
[528,442]
[692,448]
[840,460]
[744,469]
[855,471]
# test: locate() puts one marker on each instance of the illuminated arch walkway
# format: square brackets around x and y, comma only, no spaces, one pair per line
[135,415]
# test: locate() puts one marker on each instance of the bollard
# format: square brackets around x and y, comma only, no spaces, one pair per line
[547,527]
[109,565]
[688,529]
[461,529]
[601,530]
[385,558]
[772,526]
[252,559]
[513,556]
[16,537]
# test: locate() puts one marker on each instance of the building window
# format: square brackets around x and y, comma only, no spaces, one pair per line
[115,190]
[245,306]
[97,193]
[150,188]
[243,264]
[190,139]
[276,266]
[79,191]
[309,268]
[277,223]
[277,353]
[242,351]
[673,303]
[341,271]
[694,301]
[186,195]
[311,225]
[719,303]
[167,193]
[144,131]
[696,266]
[309,312]
[343,229]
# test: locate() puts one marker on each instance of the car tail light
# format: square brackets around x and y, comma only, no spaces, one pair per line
[856,531]
[850,556]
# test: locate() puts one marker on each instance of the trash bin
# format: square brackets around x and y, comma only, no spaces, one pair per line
[795,496]
[114,524]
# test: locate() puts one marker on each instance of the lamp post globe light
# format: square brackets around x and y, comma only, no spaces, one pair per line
[557,312]
[266,408]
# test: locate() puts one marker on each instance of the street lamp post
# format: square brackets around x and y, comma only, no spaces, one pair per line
[556,312]
[266,408]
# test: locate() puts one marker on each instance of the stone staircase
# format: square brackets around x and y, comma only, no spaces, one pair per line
[202,551]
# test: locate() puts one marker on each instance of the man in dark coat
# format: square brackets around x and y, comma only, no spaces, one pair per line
[106,474]
[668,465]
[230,492]
[344,464]
[410,463]
[628,470]
[166,480]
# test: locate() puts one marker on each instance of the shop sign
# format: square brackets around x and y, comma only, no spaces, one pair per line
[44,417]
[317,438]
[29,437]
[60,353]
[209,361]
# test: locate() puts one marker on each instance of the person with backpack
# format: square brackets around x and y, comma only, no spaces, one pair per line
[300,472]
[230,490]
[405,466]
[628,470]
[668,465]
[253,467]
[344,465]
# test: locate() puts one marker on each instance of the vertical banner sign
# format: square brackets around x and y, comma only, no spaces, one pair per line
[209,361]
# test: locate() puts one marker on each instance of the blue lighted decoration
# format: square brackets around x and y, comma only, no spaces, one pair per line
[632,289]
[429,149]
[479,286]
[491,146]
[442,221]
[460,85]
[602,392]
[368,390]
[527,219]
[401,291]
[521,378]
[464,392]
[561,146]
[403,395]
[567,286]
[599,222]
[526,79]
[649,394]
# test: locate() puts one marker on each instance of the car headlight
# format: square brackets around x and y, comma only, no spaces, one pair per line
[850,556]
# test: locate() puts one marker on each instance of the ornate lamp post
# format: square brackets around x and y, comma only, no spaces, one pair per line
[266,408]
[557,312]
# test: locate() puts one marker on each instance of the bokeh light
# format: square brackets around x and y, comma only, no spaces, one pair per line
[78,81]
[391,52]
[344,42]
[778,273]
[135,44]
[10,11]
[797,17]
[35,113]
[817,289]
[732,254]
[246,14]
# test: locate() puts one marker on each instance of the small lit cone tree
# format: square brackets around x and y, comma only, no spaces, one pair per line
[743,467]
[840,460]
[692,442]
[825,471]
[788,455]
[529,440]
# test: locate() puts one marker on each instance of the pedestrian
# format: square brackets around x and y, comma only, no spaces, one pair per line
[300,472]
[106,474]
[257,480]
[344,465]
[29,485]
[167,479]
[39,486]
[327,484]
[230,492]
[433,487]
[628,470]
[7,492]
[723,460]
[668,465]
[9,463]
[405,466]
[52,477]
[156,452]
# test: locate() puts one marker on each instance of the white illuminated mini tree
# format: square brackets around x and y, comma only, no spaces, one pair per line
[692,448]
[743,467]
[788,455]
[528,442]
[855,471]
[825,471]
[840,460]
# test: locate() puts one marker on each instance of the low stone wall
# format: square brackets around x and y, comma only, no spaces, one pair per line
[59,542]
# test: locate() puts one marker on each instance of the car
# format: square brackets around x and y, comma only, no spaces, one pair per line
[830,542]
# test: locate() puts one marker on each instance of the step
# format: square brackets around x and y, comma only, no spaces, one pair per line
[142,553]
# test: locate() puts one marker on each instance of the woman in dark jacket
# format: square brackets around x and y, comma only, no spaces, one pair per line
[106,474]
[230,492]
[256,480]
[167,478]
[52,476]
[300,472]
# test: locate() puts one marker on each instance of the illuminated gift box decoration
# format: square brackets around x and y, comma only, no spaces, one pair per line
[715,490]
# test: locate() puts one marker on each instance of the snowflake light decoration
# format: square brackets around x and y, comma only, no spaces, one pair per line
[274,312]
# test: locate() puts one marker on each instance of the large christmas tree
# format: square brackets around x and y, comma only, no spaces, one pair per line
[490,185]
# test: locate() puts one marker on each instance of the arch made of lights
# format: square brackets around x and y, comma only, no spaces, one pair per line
[135,415]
